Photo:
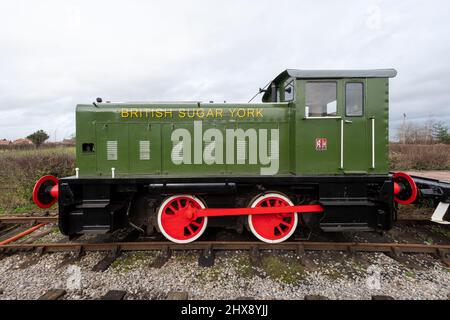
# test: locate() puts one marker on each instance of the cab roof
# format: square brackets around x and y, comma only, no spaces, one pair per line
[332,74]
[372,73]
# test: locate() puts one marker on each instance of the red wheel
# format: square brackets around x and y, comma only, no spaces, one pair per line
[408,189]
[175,219]
[272,228]
[45,192]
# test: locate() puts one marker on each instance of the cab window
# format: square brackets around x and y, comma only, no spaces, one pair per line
[354,99]
[321,99]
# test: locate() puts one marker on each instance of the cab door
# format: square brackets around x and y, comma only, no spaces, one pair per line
[355,144]
[318,128]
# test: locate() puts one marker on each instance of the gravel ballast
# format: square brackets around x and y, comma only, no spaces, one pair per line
[277,276]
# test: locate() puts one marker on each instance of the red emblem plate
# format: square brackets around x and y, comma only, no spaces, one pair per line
[321,144]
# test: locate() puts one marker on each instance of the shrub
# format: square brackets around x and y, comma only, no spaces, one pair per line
[19,171]
[419,157]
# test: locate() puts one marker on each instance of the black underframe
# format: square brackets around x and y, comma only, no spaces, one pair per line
[351,202]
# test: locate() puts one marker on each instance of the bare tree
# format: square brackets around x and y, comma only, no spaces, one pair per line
[416,133]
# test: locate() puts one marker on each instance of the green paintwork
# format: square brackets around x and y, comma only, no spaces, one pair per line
[298,134]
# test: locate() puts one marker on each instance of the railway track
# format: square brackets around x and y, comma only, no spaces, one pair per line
[299,246]
[27,219]
[132,241]
[208,247]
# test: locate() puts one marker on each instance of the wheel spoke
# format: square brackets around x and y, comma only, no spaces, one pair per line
[178,227]
[276,227]
[285,224]
[279,229]
[195,223]
[172,208]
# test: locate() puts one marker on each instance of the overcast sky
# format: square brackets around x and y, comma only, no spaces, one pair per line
[55,54]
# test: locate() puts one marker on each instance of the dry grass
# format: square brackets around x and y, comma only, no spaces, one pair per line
[20,169]
[419,157]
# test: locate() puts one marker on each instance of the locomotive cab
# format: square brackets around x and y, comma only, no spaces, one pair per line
[341,119]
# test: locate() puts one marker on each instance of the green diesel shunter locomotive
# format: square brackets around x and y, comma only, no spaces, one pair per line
[313,154]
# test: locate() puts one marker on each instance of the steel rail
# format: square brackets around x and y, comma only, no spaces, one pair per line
[298,246]
[21,234]
[28,219]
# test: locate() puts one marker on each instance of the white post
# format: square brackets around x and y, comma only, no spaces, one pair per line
[113,172]
[342,143]
[77,172]
[373,143]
